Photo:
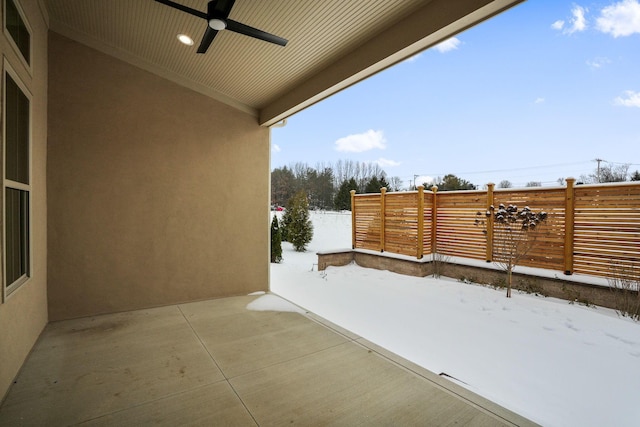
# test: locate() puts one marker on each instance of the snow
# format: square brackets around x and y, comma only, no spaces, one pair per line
[556,363]
[271,302]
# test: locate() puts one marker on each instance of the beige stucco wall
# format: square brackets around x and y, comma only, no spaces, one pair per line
[23,314]
[157,194]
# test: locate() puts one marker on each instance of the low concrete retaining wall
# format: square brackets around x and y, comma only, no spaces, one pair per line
[553,285]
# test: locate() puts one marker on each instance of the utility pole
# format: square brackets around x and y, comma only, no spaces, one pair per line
[598,171]
[415,187]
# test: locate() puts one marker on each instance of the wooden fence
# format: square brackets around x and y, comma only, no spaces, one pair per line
[590,228]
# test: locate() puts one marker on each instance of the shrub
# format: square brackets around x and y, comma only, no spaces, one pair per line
[624,282]
[276,241]
[440,262]
[296,223]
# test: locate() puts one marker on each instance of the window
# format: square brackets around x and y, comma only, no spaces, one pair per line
[17,188]
[17,29]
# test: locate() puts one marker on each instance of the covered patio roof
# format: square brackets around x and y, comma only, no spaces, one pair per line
[332,44]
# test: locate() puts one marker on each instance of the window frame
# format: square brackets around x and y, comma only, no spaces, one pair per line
[9,288]
[26,62]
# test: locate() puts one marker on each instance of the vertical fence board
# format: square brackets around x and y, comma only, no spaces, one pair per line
[353,219]
[420,216]
[427,219]
[490,220]
[569,226]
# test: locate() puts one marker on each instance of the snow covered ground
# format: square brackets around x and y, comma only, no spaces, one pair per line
[555,363]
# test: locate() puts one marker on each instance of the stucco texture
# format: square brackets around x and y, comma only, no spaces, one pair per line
[157,194]
[23,313]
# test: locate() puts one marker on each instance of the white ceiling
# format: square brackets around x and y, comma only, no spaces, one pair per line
[332,43]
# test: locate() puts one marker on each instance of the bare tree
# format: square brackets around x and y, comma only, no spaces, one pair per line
[514,234]
[607,173]
[505,183]
[395,183]
[534,184]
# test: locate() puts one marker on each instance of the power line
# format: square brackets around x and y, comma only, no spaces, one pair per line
[623,163]
[509,170]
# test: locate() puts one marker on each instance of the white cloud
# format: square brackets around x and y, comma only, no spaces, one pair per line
[620,19]
[630,99]
[276,148]
[382,162]
[578,21]
[539,100]
[362,142]
[448,45]
[598,62]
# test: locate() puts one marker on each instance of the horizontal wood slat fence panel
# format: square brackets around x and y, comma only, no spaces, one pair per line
[401,224]
[368,228]
[591,229]
[548,249]
[607,230]
[456,233]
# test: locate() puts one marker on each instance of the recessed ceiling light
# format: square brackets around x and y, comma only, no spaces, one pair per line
[185,39]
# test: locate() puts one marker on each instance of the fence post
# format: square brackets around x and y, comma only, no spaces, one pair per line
[569,215]
[420,242]
[489,254]
[434,220]
[353,219]
[383,191]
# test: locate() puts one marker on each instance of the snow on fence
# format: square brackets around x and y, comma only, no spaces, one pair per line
[591,229]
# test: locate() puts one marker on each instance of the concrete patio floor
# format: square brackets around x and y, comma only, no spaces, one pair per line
[216,363]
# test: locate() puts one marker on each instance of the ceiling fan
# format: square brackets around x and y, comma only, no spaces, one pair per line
[217,17]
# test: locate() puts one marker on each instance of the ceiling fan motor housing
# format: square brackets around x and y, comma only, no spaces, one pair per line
[217,24]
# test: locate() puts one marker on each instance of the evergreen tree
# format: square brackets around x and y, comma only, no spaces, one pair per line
[451,182]
[296,223]
[276,241]
[374,185]
[283,184]
[342,201]
[324,188]
[635,176]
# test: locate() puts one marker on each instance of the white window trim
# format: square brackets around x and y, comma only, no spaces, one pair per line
[9,37]
[7,69]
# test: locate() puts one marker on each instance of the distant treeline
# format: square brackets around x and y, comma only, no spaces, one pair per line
[328,185]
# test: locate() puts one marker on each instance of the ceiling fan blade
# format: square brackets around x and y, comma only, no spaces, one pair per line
[184,8]
[220,8]
[208,37]
[254,32]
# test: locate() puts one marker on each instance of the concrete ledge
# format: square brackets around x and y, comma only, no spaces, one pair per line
[337,258]
[581,289]
[400,264]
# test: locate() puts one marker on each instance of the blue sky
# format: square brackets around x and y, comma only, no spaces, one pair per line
[533,94]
